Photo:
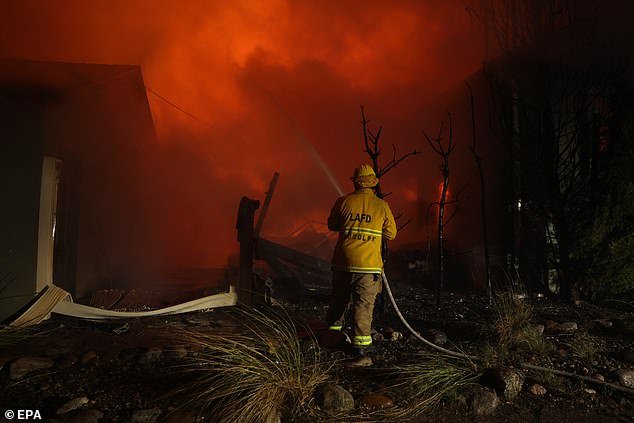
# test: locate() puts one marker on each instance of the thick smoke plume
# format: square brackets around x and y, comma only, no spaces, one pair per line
[259,75]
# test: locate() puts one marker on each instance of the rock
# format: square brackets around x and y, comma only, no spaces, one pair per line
[377,337]
[568,327]
[71,405]
[89,357]
[86,416]
[375,401]
[177,352]
[482,401]
[146,416]
[507,382]
[25,365]
[150,356]
[557,328]
[195,349]
[396,336]
[626,377]
[182,416]
[435,336]
[598,376]
[537,389]
[364,361]
[333,398]
[67,360]
[538,329]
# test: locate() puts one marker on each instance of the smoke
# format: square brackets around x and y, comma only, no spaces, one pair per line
[264,80]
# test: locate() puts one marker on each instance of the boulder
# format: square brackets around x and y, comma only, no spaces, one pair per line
[89,357]
[537,390]
[182,416]
[24,365]
[335,399]
[506,381]
[71,405]
[396,336]
[568,327]
[482,401]
[626,377]
[375,401]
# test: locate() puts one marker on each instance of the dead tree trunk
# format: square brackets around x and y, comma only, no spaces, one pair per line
[444,152]
[246,214]
[483,216]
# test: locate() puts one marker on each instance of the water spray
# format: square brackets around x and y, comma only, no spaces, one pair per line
[312,152]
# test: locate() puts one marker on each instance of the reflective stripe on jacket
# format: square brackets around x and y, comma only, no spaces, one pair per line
[362,220]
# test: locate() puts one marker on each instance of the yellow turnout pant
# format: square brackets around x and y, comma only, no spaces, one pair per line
[363,288]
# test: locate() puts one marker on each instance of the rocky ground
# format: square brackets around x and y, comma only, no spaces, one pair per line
[131,371]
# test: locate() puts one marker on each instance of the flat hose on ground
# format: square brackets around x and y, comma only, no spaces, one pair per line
[476,358]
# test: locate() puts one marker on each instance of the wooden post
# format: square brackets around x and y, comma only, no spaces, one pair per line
[246,214]
[265,206]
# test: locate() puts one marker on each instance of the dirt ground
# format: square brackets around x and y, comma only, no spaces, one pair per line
[132,370]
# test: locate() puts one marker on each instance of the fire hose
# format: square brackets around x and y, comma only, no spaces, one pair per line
[415,333]
[473,358]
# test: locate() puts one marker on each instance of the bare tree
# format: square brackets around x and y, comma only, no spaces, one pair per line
[372,146]
[483,217]
[444,150]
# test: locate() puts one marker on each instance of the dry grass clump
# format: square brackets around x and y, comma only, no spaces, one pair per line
[512,336]
[259,373]
[584,346]
[511,323]
[427,379]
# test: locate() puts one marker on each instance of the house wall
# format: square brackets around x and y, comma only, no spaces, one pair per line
[20,179]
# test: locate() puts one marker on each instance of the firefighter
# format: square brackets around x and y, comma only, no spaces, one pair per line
[363,220]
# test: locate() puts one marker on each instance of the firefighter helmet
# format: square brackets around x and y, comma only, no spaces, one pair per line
[365,177]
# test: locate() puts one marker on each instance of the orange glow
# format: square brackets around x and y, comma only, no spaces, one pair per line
[447,195]
[261,74]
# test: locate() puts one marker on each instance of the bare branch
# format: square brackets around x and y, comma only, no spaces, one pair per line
[400,228]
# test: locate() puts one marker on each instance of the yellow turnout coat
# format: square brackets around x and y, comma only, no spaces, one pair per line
[362,220]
